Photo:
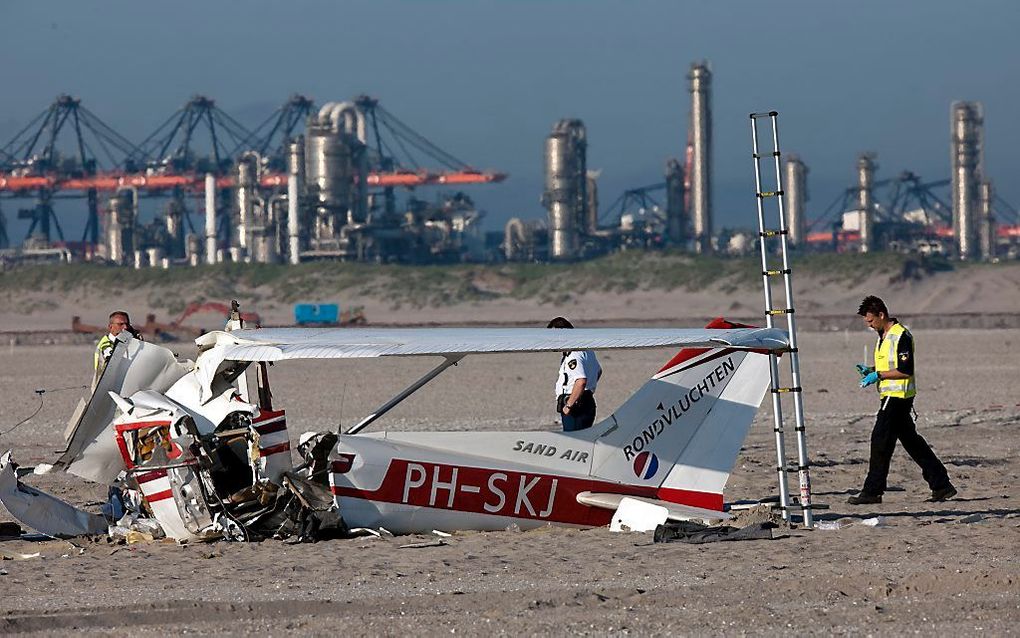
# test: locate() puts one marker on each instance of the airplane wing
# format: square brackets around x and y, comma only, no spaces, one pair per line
[277,344]
[675,511]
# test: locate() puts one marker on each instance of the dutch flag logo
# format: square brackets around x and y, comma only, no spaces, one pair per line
[646,465]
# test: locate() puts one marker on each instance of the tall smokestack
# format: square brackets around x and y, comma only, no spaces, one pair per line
[796,196]
[247,180]
[210,218]
[966,148]
[701,156]
[986,226]
[295,183]
[865,198]
[293,222]
[676,215]
[114,231]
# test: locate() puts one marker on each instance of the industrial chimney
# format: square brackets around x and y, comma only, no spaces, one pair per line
[865,199]
[966,148]
[701,155]
[796,196]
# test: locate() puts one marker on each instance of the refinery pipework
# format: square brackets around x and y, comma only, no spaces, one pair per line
[565,193]
[676,212]
[987,230]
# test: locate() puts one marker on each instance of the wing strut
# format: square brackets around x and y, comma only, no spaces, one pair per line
[448,360]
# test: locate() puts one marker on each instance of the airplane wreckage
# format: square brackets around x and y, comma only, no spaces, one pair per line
[200,448]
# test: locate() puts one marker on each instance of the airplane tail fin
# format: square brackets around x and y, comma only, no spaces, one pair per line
[678,436]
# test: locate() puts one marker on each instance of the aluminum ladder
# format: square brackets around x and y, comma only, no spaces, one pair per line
[765,234]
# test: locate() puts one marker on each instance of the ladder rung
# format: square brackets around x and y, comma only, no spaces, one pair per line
[755,116]
[779,311]
[781,390]
[773,233]
[775,273]
[765,194]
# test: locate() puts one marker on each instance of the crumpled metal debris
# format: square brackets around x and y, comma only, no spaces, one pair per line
[182,465]
[41,511]
[696,533]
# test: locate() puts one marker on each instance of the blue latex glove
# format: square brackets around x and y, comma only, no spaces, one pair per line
[871,379]
[863,370]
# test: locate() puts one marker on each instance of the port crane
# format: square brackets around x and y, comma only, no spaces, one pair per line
[169,161]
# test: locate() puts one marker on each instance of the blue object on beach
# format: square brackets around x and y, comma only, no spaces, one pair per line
[316,313]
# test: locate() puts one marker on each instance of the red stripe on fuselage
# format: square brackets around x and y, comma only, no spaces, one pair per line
[270,428]
[686,354]
[267,415]
[705,500]
[275,449]
[543,497]
[150,476]
[159,496]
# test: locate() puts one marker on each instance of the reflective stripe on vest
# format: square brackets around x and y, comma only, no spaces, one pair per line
[886,356]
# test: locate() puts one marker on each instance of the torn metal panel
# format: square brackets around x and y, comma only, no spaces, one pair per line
[271,445]
[210,414]
[172,489]
[135,365]
[41,511]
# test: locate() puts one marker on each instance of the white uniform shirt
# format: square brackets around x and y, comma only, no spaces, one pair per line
[578,364]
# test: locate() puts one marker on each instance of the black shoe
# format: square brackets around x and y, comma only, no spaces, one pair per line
[865,499]
[943,494]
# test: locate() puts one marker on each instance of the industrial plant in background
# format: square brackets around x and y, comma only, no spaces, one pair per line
[268,195]
[329,191]
[575,229]
[907,214]
[904,214]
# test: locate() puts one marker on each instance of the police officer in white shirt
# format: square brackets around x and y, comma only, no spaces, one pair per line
[575,385]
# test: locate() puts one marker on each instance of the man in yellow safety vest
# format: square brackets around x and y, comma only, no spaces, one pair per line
[894,374]
[119,322]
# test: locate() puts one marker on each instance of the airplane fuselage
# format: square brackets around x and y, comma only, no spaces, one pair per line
[408,488]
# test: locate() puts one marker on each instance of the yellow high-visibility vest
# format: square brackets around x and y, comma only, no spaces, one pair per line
[104,343]
[886,357]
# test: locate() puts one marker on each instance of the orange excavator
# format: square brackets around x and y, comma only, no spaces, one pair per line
[251,319]
[175,329]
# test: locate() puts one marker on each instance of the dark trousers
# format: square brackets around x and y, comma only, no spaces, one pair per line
[582,415]
[895,422]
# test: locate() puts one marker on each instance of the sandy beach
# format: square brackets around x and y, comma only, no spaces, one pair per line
[946,567]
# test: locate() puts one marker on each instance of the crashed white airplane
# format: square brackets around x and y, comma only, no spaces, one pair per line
[201,448]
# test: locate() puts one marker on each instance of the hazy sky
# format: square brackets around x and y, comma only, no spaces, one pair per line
[486,80]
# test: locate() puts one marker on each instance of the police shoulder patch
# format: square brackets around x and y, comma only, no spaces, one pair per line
[572,364]
[904,356]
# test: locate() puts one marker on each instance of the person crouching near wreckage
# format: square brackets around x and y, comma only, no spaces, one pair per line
[120,324]
[894,374]
[575,385]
